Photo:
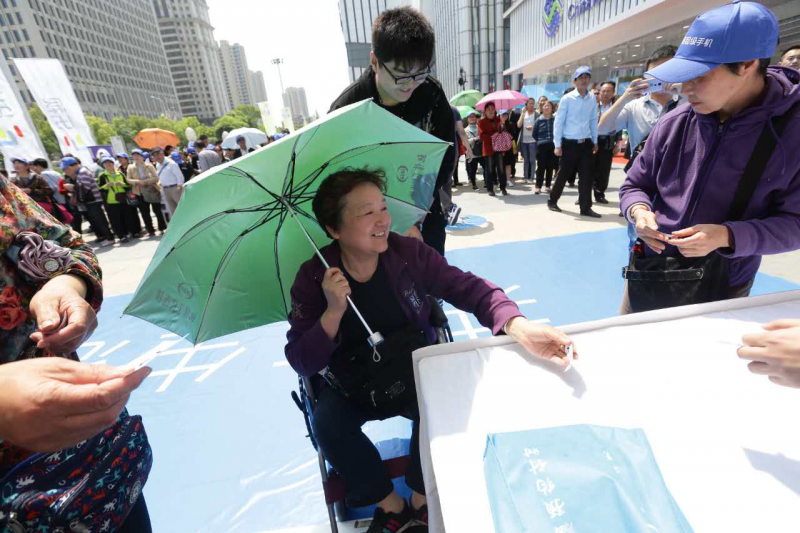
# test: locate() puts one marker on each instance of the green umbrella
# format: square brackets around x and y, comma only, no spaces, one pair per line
[468,98]
[243,229]
[466,110]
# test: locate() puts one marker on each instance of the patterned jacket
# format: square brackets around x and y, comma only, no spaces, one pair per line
[19,213]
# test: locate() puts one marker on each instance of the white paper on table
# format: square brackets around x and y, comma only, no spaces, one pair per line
[726,441]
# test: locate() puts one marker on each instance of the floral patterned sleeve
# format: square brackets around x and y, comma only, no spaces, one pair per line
[19,213]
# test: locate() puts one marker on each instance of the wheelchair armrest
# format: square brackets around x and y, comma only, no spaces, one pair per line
[438,318]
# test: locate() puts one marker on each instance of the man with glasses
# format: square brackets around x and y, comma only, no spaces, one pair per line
[398,79]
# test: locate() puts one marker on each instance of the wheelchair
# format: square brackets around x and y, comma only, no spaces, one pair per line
[333,484]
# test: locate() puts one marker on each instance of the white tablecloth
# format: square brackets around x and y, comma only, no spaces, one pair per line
[727,441]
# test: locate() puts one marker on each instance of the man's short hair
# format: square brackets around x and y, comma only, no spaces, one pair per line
[609,82]
[762,66]
[667,51]
[203,138]
[329,203]
[199,145]
[40,162]
[405,36]
[795,47]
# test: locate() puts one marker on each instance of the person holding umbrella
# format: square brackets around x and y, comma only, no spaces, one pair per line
[388,277]
[242,149]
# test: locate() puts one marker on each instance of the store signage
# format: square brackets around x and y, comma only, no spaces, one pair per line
[579,8]
[551,17]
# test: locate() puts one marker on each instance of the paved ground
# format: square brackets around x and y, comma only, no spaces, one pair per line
[521,216]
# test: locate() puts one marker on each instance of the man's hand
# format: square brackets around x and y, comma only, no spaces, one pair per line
[775,352]
[701,240]
[69,187]
[595,148]
[62,296]
[635,89]
[545,342]
[51,403]
[558,152]
[414,232]
[647,229]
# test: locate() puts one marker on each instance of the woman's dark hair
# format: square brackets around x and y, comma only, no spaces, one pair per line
[762,66]
[329,202]
[405,36]
[667,51]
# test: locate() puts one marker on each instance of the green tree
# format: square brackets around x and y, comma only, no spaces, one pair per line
[102,131]
[229,122]
[45,131]
[250,113]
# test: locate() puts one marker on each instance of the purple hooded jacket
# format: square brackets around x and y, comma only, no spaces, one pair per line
[415,270]
[691,166]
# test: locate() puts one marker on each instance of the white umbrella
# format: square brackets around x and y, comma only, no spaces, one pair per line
[253,138]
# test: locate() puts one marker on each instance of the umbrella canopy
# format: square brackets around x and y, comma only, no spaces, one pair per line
[252,136]
[152,137]
[242,230]
[467,98]
[465,111]
[502,100]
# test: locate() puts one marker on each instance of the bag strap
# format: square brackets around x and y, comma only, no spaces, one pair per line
[757,164]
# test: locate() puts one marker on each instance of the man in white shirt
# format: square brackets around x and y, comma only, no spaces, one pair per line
[575,139]
[206,158]
[170,177]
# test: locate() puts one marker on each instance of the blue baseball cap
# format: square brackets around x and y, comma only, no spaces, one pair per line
[105,159]
[137,151]
[21,160]
[122,154]
[176,156]
[68,162]
[736,32]
[191,150]
[581,71]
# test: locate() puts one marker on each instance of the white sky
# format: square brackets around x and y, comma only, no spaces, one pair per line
[305,33]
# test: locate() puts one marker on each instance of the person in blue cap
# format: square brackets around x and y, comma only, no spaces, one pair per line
[718,180]
[575,139]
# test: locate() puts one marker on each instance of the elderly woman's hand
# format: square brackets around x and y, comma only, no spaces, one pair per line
[51,403]
[541,340]
[62,297]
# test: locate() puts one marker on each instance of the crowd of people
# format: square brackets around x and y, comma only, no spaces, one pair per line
[712,185]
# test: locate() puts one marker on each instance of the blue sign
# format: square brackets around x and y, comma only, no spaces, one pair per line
[579,8]
[551,18]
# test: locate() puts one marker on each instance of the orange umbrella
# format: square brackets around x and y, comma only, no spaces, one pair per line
[151,137]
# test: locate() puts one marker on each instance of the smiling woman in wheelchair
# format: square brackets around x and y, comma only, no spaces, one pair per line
[388,277]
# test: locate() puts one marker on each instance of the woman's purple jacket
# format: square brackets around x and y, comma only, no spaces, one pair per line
[414,270]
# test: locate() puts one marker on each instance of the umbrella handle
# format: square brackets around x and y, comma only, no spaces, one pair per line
[375,337]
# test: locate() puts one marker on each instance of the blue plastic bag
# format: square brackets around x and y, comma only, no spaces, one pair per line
[578,479]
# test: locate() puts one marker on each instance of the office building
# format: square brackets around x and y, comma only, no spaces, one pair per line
[192,54]
[258,87]
[113,73]
[295,100]
[235,74]
[551,38]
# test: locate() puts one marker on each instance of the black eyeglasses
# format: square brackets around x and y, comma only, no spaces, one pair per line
[401,80]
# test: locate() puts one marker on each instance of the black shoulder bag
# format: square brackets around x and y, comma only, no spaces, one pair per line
[661,282]
[380,379]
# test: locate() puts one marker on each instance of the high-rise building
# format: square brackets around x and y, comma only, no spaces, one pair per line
[192,54]
[113,72]
[236,74]
[473,42]
[295,100]
[258,86]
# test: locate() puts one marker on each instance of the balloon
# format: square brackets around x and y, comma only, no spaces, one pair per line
[191,134]
[224,134]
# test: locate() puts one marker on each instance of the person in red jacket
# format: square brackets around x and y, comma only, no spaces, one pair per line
[488,126]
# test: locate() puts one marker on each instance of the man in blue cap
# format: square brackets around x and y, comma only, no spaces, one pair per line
[575,138]
[719,178]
